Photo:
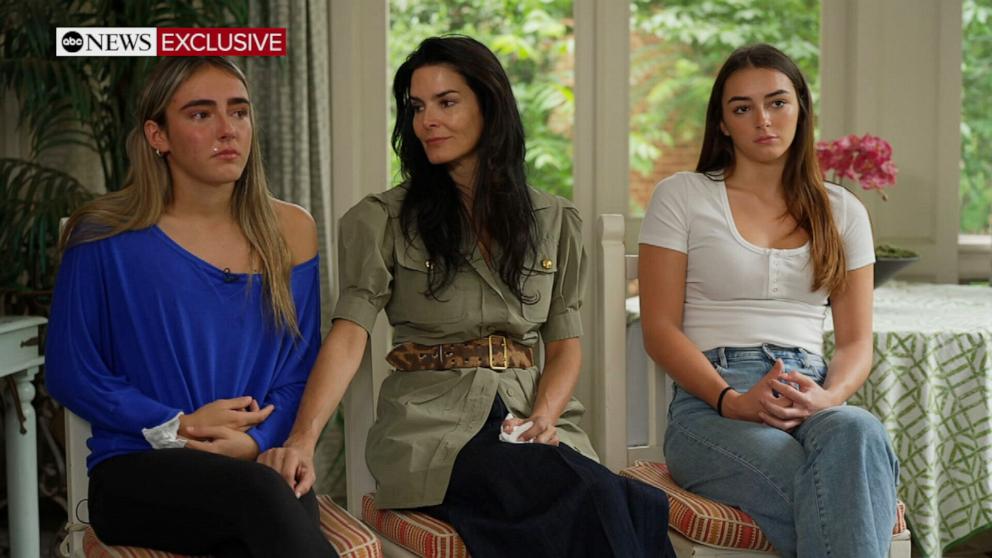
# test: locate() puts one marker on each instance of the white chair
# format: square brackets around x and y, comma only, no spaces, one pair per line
[691,514]
[77,431]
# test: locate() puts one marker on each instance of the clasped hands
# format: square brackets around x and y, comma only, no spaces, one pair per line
[781,400]
[220,427]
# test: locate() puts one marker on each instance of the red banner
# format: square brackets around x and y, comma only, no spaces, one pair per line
[217,41]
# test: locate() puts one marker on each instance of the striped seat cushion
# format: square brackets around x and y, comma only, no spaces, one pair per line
[349,536]
[417,532]
[708,522]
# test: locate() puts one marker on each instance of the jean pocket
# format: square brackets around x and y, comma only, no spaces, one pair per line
[742,376]
[818,372]
[815,373]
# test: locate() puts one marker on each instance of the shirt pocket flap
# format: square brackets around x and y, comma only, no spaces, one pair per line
[413,257]
[546,259]
[539,278]
[410,302]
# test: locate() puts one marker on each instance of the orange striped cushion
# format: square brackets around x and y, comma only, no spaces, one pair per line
[349,536]
[417,532]
[700,519]
[708,522]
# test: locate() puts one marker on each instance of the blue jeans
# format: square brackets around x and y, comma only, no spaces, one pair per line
[828,488]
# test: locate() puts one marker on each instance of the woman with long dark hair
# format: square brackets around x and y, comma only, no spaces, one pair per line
[473,267]
[185,320]
[737,263]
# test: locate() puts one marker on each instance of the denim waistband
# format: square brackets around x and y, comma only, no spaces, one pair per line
[724,355]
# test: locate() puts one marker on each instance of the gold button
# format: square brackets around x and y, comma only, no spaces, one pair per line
[546,263]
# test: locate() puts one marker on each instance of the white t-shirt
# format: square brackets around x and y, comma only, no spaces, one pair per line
[738,294]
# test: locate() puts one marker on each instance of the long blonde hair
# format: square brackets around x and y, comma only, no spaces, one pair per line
[148,190]
[806,197]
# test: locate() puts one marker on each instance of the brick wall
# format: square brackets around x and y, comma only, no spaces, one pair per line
[673,159]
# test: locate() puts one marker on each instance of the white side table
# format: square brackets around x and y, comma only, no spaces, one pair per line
[20,340]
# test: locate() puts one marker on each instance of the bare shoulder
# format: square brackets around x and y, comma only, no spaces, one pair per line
[298,228]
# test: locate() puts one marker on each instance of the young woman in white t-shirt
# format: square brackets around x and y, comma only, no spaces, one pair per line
[737,263]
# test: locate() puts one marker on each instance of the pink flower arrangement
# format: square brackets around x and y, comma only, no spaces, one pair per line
[866,159]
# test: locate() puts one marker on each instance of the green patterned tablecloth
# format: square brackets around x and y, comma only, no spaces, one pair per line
[931,385]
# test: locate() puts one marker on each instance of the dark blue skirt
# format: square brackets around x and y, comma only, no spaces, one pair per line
[523,500]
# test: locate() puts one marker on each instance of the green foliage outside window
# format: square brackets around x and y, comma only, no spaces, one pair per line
[976,118]
[677,47]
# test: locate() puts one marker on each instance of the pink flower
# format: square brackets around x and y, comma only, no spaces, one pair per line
[866,162]
[848,142]
[844,159]
[876,145]
[866,159]
[825,155]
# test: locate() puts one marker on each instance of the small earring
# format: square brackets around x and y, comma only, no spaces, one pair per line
[158,153]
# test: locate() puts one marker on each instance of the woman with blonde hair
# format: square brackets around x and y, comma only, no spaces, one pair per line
[185,322]
[737,263]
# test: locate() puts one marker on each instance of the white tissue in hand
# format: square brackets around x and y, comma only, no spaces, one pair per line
[514,436]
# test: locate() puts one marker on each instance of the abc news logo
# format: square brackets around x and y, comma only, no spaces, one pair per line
[170,41]
[105,41]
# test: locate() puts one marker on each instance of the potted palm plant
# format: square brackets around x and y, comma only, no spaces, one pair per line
[867,160]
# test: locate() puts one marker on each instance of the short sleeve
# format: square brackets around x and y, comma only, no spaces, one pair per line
[855,229]
[365,262]
[666,222]
[564,321]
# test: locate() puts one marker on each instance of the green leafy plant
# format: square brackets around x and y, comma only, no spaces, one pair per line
[82,102]
[32,200]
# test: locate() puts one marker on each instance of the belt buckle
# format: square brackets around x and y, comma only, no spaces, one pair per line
[506,355]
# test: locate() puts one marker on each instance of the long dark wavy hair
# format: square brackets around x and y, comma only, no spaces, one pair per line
[501,209]
[806,196]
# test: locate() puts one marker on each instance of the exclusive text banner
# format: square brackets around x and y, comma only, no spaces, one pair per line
[170,41]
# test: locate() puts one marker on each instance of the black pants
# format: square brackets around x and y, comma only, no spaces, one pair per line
[537,500]
[192,502]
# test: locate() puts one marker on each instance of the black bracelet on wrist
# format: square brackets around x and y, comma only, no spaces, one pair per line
[719,400]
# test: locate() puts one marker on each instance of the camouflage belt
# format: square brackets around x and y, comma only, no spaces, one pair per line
[496,352]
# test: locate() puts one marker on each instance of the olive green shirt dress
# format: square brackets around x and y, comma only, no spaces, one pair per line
[425,417]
